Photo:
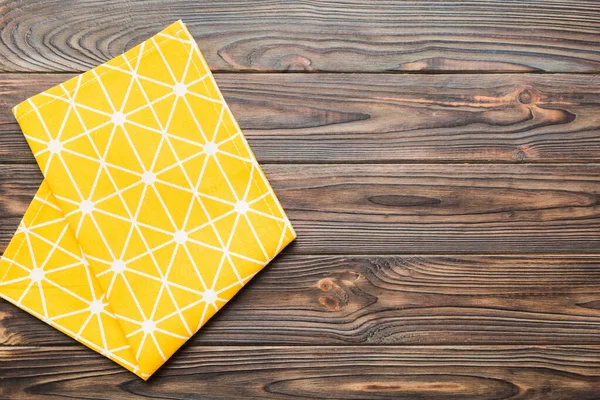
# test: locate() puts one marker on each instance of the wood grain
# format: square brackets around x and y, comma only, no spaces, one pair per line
[446,194]
[301,35]
[416,300]
[401,373]
[321,118]
[410,209]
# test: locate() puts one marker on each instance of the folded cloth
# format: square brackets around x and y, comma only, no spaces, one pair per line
[153,212]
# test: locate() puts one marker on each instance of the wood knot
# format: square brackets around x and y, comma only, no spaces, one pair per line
[525,97]
[296,62]
[325,284]
[393,200]
[336,299]
[342,293]
[331,303]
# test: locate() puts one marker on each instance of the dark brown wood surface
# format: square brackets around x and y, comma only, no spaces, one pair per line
[359,118]
[416,300]
[312,372]
[411,208]
[302,35]
[442,173]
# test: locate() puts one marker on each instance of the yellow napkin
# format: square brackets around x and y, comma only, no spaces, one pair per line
[153,212]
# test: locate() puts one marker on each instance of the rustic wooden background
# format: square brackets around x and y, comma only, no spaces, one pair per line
[440,162]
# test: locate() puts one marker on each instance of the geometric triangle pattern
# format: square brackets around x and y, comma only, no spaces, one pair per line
[153,212]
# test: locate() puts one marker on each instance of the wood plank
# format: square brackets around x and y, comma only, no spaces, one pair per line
[406,208]
[552,35]
[322,118]
[467,373]
[405,300]
[453,208]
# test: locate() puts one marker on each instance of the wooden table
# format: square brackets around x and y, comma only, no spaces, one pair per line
[440,165]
